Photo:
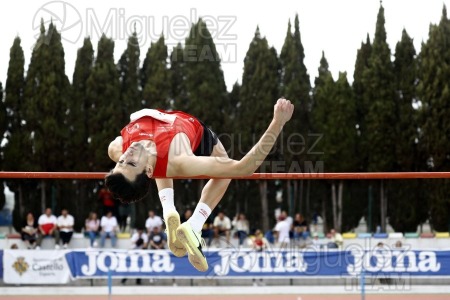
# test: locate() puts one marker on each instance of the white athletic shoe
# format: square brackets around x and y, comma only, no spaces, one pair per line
[172,220]
[193,242]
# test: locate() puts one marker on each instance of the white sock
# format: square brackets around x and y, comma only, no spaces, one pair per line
[198,218]
[167,202]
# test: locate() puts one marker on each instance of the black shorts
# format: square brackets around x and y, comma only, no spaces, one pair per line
[207,143]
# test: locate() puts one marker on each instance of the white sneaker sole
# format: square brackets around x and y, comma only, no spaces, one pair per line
[174,244]
[195,255]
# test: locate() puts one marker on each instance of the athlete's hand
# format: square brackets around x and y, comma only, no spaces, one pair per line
[282,111]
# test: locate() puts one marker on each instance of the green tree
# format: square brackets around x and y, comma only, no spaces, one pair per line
[46,95]
[296,86]
[3,128]
[259,90]
[105,113]
[434,94]
[128,68]
[156,84]
[205,84]
[177,75]
[15,158]
[379,83]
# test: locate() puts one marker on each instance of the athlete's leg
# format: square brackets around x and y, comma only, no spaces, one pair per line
[171,216]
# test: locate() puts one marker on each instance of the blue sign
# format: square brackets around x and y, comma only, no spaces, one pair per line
[247,263]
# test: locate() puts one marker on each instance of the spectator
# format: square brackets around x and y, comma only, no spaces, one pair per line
[107,200]
[157,239]
[281,231]
[187,214]
[109,227]
[259,242]
[124,212]
[91,226]
[336,239]
[240,224]
[283,214]
[14,246]
[153,221]
[300,227]
[47,227]
[139,240]
[208,231]
[222,226]
[29,232]
[315,243]
[65,226]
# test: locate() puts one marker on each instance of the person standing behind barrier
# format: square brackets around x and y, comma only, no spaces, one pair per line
[91,226]
[47,227]
[240,224]
[281,231]
[258,241]
[65,224]
[29,232]
[109,228]
[222,226]
[107,200]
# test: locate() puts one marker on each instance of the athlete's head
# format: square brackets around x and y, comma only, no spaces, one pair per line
[129,181]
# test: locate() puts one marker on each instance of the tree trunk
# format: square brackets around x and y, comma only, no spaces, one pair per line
[264,205]
[43,195]
[334,204]
[307,213]
[324,214]
[300,208]
[339,208]
[382,207]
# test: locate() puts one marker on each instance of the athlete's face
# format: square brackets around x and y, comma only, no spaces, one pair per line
[134,161]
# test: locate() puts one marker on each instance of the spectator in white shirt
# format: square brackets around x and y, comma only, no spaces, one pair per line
[65,225]
[222,226]
[240,224]
[47,227]
[109,227]
[153,221]
[281,231]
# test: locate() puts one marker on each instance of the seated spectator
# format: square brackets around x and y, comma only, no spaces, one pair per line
[65,224]
[208,231]
[300,227]
[222,226]
[91,226]
[153,221]
[109,228]
[281,231]
[336,239]
[259,242]
[47,227]
[139,239]
[157,239]
[240,224]
[187,214]
[29,232]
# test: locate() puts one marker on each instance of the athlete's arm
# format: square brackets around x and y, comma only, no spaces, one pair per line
[191,165]
[115,149]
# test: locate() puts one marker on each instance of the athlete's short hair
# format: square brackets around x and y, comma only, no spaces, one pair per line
[127,191]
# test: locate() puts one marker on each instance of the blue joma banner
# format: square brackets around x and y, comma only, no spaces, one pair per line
[1,263]
[242,263]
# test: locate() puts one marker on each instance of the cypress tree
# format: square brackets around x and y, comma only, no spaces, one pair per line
[205,82]
[380,138]
[79,107]
[128,68]
[15,153]
[14,89]
[156,87]
[434,94]
[105,112]
[259,91]
[177,73]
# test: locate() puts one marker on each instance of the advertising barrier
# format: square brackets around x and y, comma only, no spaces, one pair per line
[59,267]
[35,267]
